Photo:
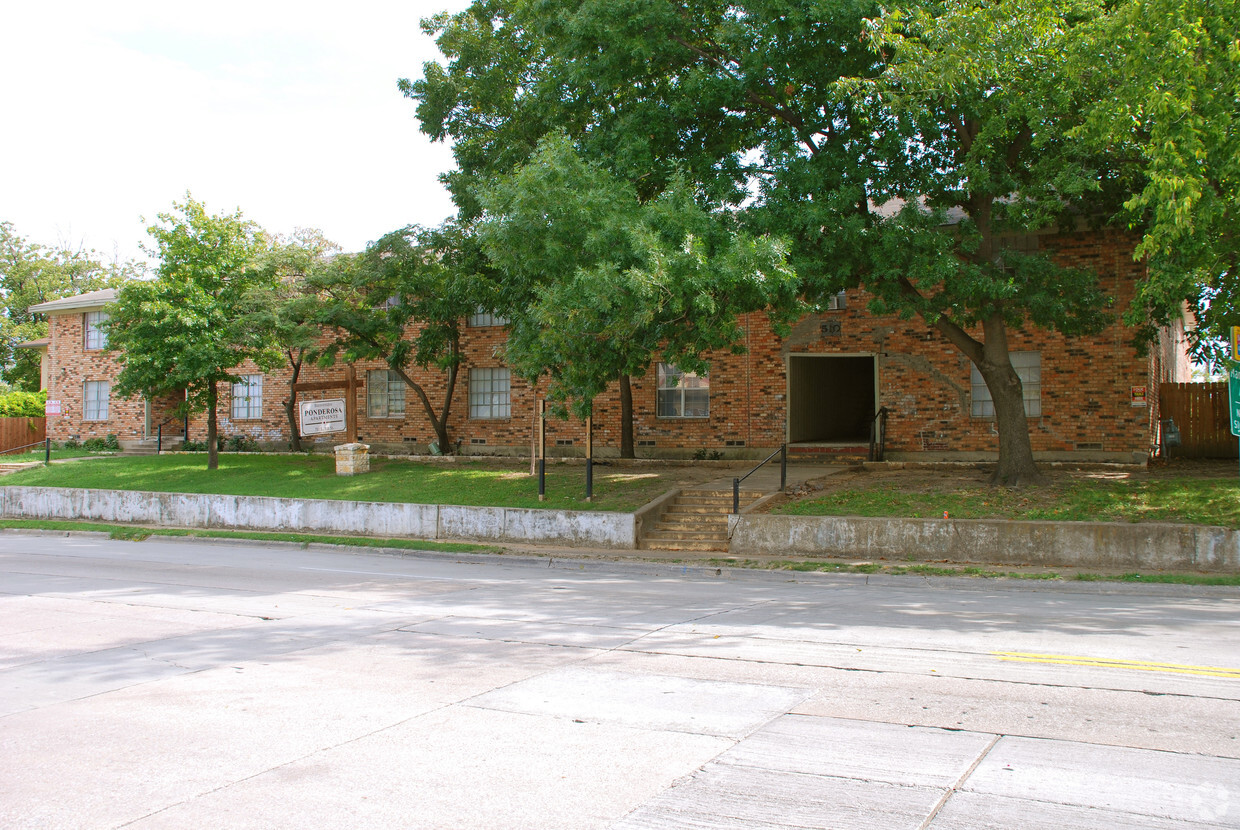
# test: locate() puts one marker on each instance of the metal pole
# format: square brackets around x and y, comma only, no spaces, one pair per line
[159,439]
[783,467]
[47,450]
[589,458]
[736,496]
[542,450]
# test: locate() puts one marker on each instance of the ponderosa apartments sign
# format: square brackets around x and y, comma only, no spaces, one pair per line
[322,417]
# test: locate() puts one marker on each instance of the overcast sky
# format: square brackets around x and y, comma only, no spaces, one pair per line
[287,110]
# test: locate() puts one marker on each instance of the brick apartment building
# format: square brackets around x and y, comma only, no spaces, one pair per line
[1088,398]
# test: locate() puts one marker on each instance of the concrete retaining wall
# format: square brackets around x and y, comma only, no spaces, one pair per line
[1054,544]
[416,521]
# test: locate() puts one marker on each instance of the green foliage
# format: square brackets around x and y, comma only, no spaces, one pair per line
[792,120]
[597,284]
[428,280]
[240,443]
[23,404]
[191,327]
[31,274]
[1172,111]
[108,444]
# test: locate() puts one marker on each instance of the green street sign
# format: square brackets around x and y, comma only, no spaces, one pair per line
[1233,398]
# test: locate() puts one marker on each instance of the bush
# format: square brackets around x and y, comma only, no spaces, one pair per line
[23,404]
[73,444]
[109,444]
[241,443]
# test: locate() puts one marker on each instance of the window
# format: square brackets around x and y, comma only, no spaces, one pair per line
[96,397]
[96,338]
[490,393]
[837,302]
[682,394]
[385,394]
[482,318]
[247,398]
[1028,366]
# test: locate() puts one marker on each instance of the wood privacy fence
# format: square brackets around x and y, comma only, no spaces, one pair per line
[1200,413]
[17,432]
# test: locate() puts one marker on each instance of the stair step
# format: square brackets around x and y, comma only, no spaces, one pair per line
[686,535]
[672,522]
[701,545]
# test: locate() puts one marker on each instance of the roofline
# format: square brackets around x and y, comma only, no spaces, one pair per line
[80,303]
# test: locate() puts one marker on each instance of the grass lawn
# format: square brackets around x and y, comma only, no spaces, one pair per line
[390,480]
[37,455]
[1071,495]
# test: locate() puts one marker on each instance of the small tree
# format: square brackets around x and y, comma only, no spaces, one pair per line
[596,284]
[285,307]
[190,328]
[403,301]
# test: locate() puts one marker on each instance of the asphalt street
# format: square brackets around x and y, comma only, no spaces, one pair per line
[164,684]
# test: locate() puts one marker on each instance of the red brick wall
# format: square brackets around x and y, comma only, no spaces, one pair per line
[921,378]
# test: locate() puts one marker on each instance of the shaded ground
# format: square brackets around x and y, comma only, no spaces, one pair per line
[1200,492]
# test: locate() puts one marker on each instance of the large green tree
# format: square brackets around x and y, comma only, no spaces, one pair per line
[1172,69]
[403,301]
[810,120]
[31,274]
[190,328]
[597,284]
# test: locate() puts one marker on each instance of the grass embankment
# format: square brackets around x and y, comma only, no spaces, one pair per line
[389,480]
[57,455]
[1203,501]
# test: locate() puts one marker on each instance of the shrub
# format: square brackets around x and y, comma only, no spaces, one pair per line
[241,443]
[23,404]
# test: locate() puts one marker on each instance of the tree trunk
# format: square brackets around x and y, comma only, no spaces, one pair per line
[1016,465]
[290,408]
[213,451]
[626,418]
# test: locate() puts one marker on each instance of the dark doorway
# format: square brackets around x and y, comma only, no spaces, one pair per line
[830,399]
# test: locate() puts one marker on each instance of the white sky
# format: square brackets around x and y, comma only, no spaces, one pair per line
[286,110]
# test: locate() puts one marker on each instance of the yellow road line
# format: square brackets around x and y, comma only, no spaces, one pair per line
[1105,663]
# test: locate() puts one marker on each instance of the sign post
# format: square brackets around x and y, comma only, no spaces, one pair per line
[350,385]
[322,417]
[1233,397]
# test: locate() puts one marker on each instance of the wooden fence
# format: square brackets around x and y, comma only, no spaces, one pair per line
[1200,412]
[17,432]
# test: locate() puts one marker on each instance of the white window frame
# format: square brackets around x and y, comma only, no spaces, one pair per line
[1028,366]
[671,400]
[385,394]
[94,404]
[837,301]
[94,338]
[247,398]
[490,393]
[483,319]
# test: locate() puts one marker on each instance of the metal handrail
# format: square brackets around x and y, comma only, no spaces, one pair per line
[782,452]
[46,444]
[878,434]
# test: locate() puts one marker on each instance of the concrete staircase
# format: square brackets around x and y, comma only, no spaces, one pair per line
[696,520]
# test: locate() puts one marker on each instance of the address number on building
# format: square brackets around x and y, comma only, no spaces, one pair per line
[322,417]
